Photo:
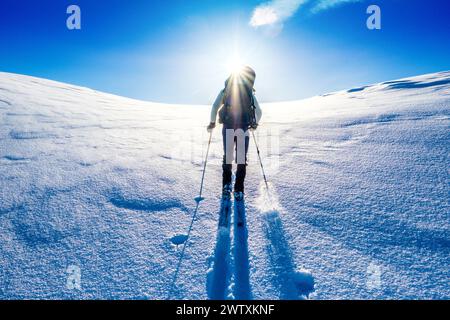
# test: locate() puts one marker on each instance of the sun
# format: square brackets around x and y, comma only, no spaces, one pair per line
[235,65]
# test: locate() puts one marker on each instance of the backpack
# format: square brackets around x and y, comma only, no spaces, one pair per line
[238,110]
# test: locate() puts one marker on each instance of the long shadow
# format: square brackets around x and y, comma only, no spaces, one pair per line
[292,284]
[242,289]
[219,275]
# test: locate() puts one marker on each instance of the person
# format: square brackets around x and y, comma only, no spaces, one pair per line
[238,111]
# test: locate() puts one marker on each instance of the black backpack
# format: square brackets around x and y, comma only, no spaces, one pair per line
[238,110]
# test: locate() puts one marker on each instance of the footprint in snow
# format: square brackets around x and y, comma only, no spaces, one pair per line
[178,239]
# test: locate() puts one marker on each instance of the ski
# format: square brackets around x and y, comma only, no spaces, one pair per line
[239,213]
[225,212]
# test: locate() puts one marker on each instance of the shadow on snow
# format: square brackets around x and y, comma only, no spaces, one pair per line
[220,284]
[292,284]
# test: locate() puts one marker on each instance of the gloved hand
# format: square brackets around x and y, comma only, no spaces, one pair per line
[211,126]
[253,126]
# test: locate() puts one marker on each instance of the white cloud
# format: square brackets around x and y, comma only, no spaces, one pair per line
[327,4]
[274,12]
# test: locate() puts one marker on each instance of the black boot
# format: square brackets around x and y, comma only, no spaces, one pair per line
[226,191]
[226,173]
[226,179]
[240,178]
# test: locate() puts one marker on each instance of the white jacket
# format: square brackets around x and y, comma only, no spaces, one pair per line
[220,102]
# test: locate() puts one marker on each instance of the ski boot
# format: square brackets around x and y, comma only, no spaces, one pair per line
[239,208]
[226,192]
[238,195]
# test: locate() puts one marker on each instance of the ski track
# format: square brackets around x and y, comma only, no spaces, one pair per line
[229,274]
[220,271]
[241,281]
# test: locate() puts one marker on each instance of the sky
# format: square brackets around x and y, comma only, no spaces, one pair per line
[181,51]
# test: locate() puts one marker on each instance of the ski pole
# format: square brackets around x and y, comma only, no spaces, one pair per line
[263,172]
[260,161]
[197,200]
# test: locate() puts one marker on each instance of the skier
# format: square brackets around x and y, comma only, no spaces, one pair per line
[238,111]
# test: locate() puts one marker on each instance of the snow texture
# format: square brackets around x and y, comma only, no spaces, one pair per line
[99,189]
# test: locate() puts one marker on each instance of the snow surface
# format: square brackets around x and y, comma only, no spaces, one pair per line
[358,205]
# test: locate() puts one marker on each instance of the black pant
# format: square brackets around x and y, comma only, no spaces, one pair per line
[241,167]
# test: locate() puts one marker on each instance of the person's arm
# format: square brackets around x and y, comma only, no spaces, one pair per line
[258,111]
[216,106]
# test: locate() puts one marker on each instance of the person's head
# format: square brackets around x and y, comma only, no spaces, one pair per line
[244,77]
[248,76]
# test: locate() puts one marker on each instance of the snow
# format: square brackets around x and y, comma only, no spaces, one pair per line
[358,202]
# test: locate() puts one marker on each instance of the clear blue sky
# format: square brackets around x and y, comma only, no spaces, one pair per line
[179,51]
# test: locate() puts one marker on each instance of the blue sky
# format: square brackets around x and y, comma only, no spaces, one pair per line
[180,51]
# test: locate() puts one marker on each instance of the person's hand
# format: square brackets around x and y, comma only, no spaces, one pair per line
[211,127]
[253,126]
